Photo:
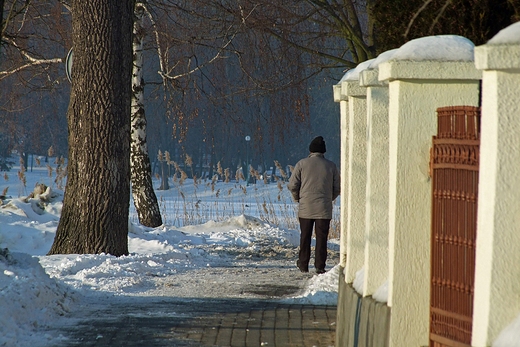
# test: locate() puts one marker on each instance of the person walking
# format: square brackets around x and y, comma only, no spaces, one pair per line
[314,184]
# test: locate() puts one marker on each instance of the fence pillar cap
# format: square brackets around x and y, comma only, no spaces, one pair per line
[370,78]
[352,88]
[498,57]
[428,70]
[338,96]
[502,52]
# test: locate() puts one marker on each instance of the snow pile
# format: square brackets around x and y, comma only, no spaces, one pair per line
[359,281]
[28,298]
[381,294]
[320,289]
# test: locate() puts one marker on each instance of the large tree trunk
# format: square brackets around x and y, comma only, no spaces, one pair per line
[145,201]
[94,217]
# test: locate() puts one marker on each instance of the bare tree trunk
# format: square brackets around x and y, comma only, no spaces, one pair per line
[94,217]
[164,177]
[145,201]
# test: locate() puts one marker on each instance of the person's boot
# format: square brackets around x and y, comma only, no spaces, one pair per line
[302,267]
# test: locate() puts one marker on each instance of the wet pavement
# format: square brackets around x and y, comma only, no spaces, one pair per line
[164,321]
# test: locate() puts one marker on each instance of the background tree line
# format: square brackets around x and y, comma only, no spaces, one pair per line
[218,70]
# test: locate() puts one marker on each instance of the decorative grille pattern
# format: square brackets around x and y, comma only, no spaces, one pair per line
[454,168]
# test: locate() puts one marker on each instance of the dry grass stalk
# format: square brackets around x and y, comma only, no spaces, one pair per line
[254,173]
[280,168]
[227,175]
[239,175]
[21,173]
[22,178]
[279,185]
[264,206]
[214,181]
[50,151]
[188,161]
[61,173]
[49,170]
[6,176]
[160,156]
[183,177]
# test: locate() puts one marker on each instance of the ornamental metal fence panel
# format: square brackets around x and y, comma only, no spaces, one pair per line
[454,168]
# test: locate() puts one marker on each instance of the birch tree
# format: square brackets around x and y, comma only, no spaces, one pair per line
[145,200]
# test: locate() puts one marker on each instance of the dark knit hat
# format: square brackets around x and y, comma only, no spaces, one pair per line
[318,145]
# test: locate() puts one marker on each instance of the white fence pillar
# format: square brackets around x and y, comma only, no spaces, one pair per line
[344,159]
[376,234]
[416,90]
[497,273]
[356,179]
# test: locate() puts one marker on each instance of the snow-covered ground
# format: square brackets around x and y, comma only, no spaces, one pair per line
[215,235]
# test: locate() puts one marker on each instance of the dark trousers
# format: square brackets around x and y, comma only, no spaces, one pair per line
[321,227]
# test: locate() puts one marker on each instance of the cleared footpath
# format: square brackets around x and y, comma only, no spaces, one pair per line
[205,322]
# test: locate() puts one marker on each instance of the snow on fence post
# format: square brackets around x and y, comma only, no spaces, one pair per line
[423,74]
[497,274]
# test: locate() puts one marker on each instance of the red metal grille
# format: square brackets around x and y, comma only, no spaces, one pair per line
[454,168]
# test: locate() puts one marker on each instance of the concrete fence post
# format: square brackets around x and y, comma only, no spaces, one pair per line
[356,179]
[376,213]
[344,159]
[497,272]
[416,90]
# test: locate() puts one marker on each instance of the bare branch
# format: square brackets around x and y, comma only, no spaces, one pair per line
[32,61]
[415,15]
[165,73]
[441,12]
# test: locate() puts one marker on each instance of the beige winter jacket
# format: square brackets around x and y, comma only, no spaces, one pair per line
[315,184]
